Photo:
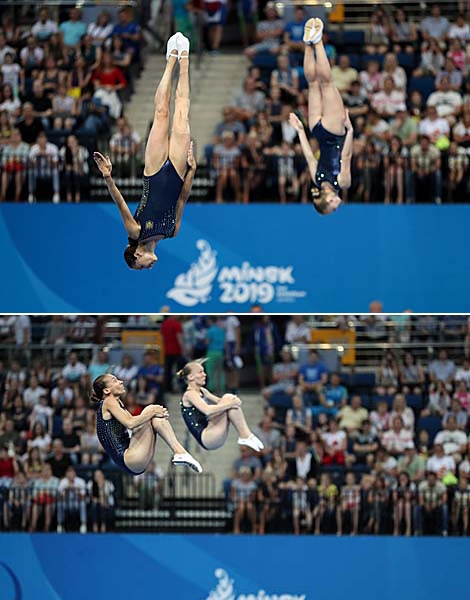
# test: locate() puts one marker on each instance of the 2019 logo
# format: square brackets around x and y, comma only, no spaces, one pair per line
[240,284]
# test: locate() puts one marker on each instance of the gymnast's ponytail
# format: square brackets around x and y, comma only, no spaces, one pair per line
[98,386]
[188,367]
[129,253]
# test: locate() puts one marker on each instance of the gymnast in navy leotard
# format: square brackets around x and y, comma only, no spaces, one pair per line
[329,123]
[208,417]
[130,440]
[169,167]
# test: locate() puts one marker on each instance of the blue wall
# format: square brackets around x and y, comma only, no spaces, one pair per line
[69,258]
[179,567]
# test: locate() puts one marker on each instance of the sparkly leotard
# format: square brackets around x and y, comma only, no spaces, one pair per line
[114,437]
[329,163]
[156,212]
[196,421]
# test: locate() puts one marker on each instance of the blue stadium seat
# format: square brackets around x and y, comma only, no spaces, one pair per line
[415,401]
[280,400]
[368,57]
[364,380]
[431,424]
[386,398]
[424,85]
[367,401]
[56,426]
[346,378]
[407,61]
[354,38]
[360,469]
[355,61]
[265,59]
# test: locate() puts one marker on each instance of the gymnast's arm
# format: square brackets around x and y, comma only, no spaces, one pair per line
[344,177]
[186,190]
[305,144]
[222,406]
[124,417]
[105,167]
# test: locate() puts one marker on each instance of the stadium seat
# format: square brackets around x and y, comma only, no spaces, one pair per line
[265,59]
[407,61]
[415,401]
[368,57]
[353,37]
[424,85]
[367,401]
[280,400]
[431,424]
[56,426]
[355,61]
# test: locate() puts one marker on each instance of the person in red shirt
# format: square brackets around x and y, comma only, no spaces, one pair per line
[108,80]
[172,333]
[8,464]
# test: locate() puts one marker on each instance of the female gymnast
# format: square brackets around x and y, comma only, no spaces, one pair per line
[208,417]
[329,123]
[133,453]
[169,167]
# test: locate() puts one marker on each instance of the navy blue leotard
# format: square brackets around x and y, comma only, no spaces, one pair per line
[114,438]
[156,212]
[196,421]
[329,163]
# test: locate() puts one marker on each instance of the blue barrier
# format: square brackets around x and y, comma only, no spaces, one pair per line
[288,258]
[200,567]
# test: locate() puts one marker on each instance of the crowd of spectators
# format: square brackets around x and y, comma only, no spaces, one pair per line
[63,82]
[387,454]
[407,88]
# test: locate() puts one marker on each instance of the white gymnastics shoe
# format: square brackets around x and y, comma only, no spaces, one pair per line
[183,46]
[252,442]
[313,31]
[172,46]
[188,460]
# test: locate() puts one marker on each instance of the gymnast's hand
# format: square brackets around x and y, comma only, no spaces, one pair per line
[347,121]
[156,411]
[296,122]
[191,160]
[103,164]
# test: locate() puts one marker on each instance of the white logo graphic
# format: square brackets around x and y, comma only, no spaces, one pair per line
[240,284]
[225,591]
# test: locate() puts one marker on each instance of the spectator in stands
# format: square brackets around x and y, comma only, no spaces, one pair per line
[395,167]
[74,159]
[125,146]
[457,162]
[6,127]
[15,157]
[377,33]
[79,79]
[371,78]
[153,374]
[33,393]
[284,376]
[127,370]
[101,29]
[43,170]
[452,73]
[457,54]
[122,57]
[73,29]
[452,439]
[388,101]
[313,375]
[44,498]
[28,125]
[268,33]
[392,69]
[71,509]
[435,26]
[343,74]
[412,463]
[299,416]
[403,33]
[304,464]
[215,339]
[248,102]
[42,104]
[13,83]
[74,369]
[442,369]
[364,446]
[412,376]
[269,435]
[229,123]
[297,331]
[9,436]
[266,344]
[386,377]
[286,79]
[459,30]
[286,174]
[226,162]
[243,495]
[395,439]
[447,102]
[439,463]
[131,33]
[247,459]
[351,416]
[460,505]
[108,80]
[172,332]
[61,395]
[400,409]
[439,400]
[44,27]
[8,464]
[332,397]
[40,439]
[426,167]
[334,443]
[16,509]
[5,48]
[456,412]
[293,36]
[101,491]
[432,59]
[31,56]
[463,372]
[356,101]
[64,108]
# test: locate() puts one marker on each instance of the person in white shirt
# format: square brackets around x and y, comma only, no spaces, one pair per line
[453,440]
[232,353]
[44,27]
[44,166]
[463,372]
[459,30]
[127,370]
[395,440]
[439,463]
[388,101]
[433,126]
[4,48]
[22,327]
[101,30]
[447,101]
[33,393]
[72,502]
[297,331]
[74,369]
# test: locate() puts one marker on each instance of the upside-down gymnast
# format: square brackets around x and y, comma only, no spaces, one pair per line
[329,123]
[133,453]
[169,167]
[208,417]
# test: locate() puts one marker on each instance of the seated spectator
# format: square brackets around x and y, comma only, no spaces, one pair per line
[411,375]
[400,409]
[6,128]
[432,513]
[297,331]
[57,49]
[127,370]
[16,509]
[78,78]
[313,376]
[463,372]
[447,102]
[74,159]
[403,33]
[426,168]
[101,491]
[395,439]
[459,30]
[71,509]
[457,54]
[304,465]
[268,33]
[388,101]
[130,31]
[365,445]
[42,105]
[152,373]
[9,467]
[44,27]
[454,76]
[352,416]
[293,35]
[31,56]
[39,439]
[285,78]
[13,83]
[73,29]
[377,33]
[247,459]
[44,498]
[412,463]
[226,162]
[9,436]
[74,369]
[91,53]
[299,416]
[460,505]
[335,443]
[101,29]
[440,463]
[15,156]
[350,504]
[108,80]
[5,48]
[462,394]
[43,170]
[442,369]
[70,441]
[415,105]
[371,78]
[63,106]
[51,77]
[356,101]
[229,123]
[343,74]
[332,397]
[121,56]
[391,69]
[439,400]
[243,496]
[434,26]
[284,376]
[90,447]
[287,179]
[380,418]
[125,146]
[386,377]
[452,439]
[432,59]
[28,125]
[270,437]
[42,413]
[458,413]
[248,102]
